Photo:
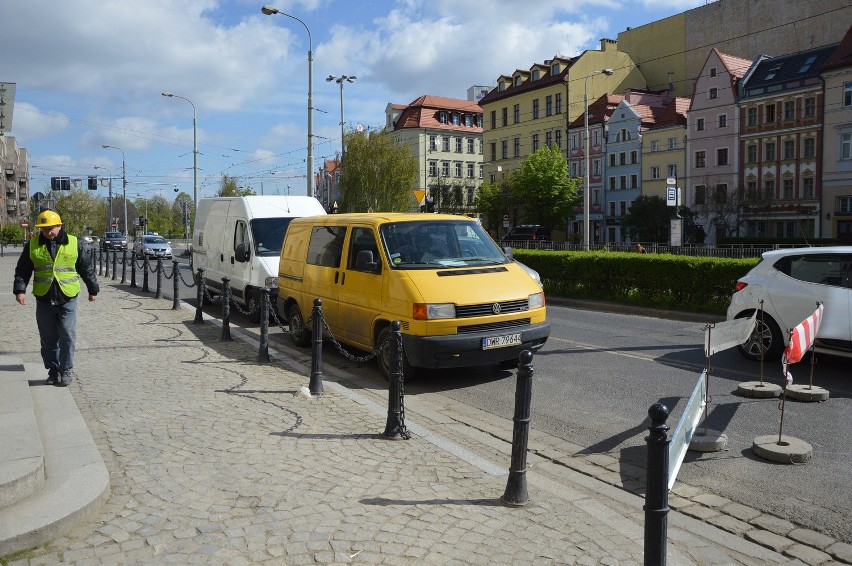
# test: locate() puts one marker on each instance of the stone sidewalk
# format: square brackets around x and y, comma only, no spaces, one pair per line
[215,458]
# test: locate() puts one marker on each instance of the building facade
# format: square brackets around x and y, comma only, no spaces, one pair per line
[14,165]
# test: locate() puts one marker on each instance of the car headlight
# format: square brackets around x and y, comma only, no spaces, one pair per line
[432,311]
[536,300]
[270,282]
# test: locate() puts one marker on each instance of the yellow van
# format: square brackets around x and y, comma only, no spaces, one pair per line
[460,300]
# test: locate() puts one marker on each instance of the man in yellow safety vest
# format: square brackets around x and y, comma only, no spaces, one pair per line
[57,262]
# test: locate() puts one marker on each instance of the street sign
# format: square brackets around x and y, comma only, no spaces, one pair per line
[25,224]
[672,196]
[671,181]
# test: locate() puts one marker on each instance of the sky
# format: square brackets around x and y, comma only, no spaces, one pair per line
[89,73]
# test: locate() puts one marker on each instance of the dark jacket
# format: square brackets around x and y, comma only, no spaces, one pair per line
[85,268]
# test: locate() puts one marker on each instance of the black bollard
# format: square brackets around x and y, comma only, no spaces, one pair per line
[315,385]
[114,263]
[145,269]
[263,353]
[395,425]
[516,487]
[199,296]
[124,267]
[176,287]
[106,264]
[99,260]
[657,486]
[159,293]
[133,269]
[226,309]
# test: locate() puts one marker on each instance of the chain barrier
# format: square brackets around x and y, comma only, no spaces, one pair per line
[174,269]
[180,276]
[210,298]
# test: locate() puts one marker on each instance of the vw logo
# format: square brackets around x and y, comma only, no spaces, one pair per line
[495,308]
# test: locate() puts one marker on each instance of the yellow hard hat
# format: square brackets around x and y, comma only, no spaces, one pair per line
[47,219]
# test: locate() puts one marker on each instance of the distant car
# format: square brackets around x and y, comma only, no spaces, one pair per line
[87,239]
[790,282]
[526,232]
[153,246]
[113,241]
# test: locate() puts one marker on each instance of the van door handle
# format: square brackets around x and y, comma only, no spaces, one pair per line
[222,258]
[336,277]
[343,278]
[232,260]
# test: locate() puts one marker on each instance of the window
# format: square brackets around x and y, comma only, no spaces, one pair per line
[559,103]
[700,158]
[535,109]
[480,171]
[596,138]
[634,182]
[672,143]
[505,117]
[622,208]
[807,187]
[516,144]
[493,151]
[548,139]
[789,110]
[751,190]
[442,116]
[769,189]
[807,64]
[471,196]
[493,119]
[326,246]
[789,149]
[622,182]
[846,205]
[655,145]
[504,149]
[809,147]
[559,139]
[723,120]
[470,170]
[445,168]
[612,185]
[362,239]
[721,195]
[612,160]
[456,119]
[772,71]
[700,195]
[634,157]
[612,209]
[847,95]
[712,71]
[470,145]
[846,146]
[722,156]
[672,170]
[622,158]
[575,141]
[458,168]
[433,143]
[548,105]
[446,144]
[534,143]
[751,153]
[699,124]
[787,188]
[574,169]
[516,112]
[596,167]
[769,113]
[770,152]
[459,144]
[468,120]
[433,168]
[655,172]
[714,93]
[536,74]
[751,117]
[623,134]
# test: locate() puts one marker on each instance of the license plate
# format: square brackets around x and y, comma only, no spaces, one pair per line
[492,342]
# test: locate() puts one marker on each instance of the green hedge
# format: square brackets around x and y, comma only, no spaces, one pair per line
[666,281]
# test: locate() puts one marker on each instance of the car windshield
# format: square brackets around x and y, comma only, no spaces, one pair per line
[113,235]
[268,235]
[432,244]
[154,240]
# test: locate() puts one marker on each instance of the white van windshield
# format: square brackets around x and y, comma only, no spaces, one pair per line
[425,244]
[268,234]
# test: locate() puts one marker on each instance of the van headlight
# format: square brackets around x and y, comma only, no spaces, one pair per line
[536,300]
[270,282]
[432,311]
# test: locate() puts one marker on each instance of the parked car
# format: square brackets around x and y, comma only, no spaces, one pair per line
[790,282]
[526,232]
[86,239]
[113,241]
[152,246]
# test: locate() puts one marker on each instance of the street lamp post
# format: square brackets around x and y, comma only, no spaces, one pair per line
[340,80]
[109,218]
[588,189]
[123,182]
[194,153]
[270,10]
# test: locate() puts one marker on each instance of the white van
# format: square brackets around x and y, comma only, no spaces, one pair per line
[240,238]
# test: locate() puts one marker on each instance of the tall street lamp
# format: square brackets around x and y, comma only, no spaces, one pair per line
[194,154]
[270,10]
[109,218]
[123,182]
[340,80]
[588,189]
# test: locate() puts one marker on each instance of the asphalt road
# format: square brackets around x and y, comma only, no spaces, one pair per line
[600,372]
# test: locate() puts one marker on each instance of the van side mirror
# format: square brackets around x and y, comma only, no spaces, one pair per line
[364,262]
[241,253]
[508,251]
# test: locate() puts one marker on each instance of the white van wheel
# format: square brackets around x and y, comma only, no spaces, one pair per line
[299,332]
[384,358]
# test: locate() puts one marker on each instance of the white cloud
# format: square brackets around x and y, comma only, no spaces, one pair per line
[30,123]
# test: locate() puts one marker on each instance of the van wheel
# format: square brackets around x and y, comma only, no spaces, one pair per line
[384,358]
[766,336]
[299,332]
[253,306]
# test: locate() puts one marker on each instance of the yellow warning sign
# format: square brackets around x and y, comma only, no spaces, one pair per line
[419,194]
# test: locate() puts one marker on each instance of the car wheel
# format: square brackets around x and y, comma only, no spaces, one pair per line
[253,306]
[384,357]
[299,333]
[766,338]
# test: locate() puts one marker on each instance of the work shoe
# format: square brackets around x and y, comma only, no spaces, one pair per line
[52,377]
[66,379]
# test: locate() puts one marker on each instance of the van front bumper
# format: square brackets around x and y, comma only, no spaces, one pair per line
[463,350]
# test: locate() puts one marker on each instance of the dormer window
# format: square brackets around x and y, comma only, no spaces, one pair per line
[772,71]
[518,80]
[810,61]
[555,69]
[536,74]
[442,116]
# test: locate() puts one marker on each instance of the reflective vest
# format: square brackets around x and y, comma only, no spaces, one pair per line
[63,268]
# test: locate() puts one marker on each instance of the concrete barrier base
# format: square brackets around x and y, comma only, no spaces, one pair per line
[712,441]
[758,390]
[801,392]
[789,451]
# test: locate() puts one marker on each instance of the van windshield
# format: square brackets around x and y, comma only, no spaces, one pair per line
[268,235]
[433,244]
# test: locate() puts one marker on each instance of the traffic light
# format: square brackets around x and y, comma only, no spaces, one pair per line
[93,183]
[60,184]
[54,184]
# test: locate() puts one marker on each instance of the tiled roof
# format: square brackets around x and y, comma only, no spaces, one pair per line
[737,66]
[423,113]
[842,56]
[546,80]
[673,114]
[599,111]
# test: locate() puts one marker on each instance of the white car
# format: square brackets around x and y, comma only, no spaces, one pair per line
[153,246]
[791,282]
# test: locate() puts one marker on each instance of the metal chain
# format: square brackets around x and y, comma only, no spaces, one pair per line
[339,347]
[239,309]
[212,299]
[180,276]
[167,276]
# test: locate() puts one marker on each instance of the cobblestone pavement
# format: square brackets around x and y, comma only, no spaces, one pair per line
[215,458]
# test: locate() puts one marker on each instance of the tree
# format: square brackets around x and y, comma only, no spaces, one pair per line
[378,174]
[543,190]
[648,220]
[79,210]
[183,202]
[229,188]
